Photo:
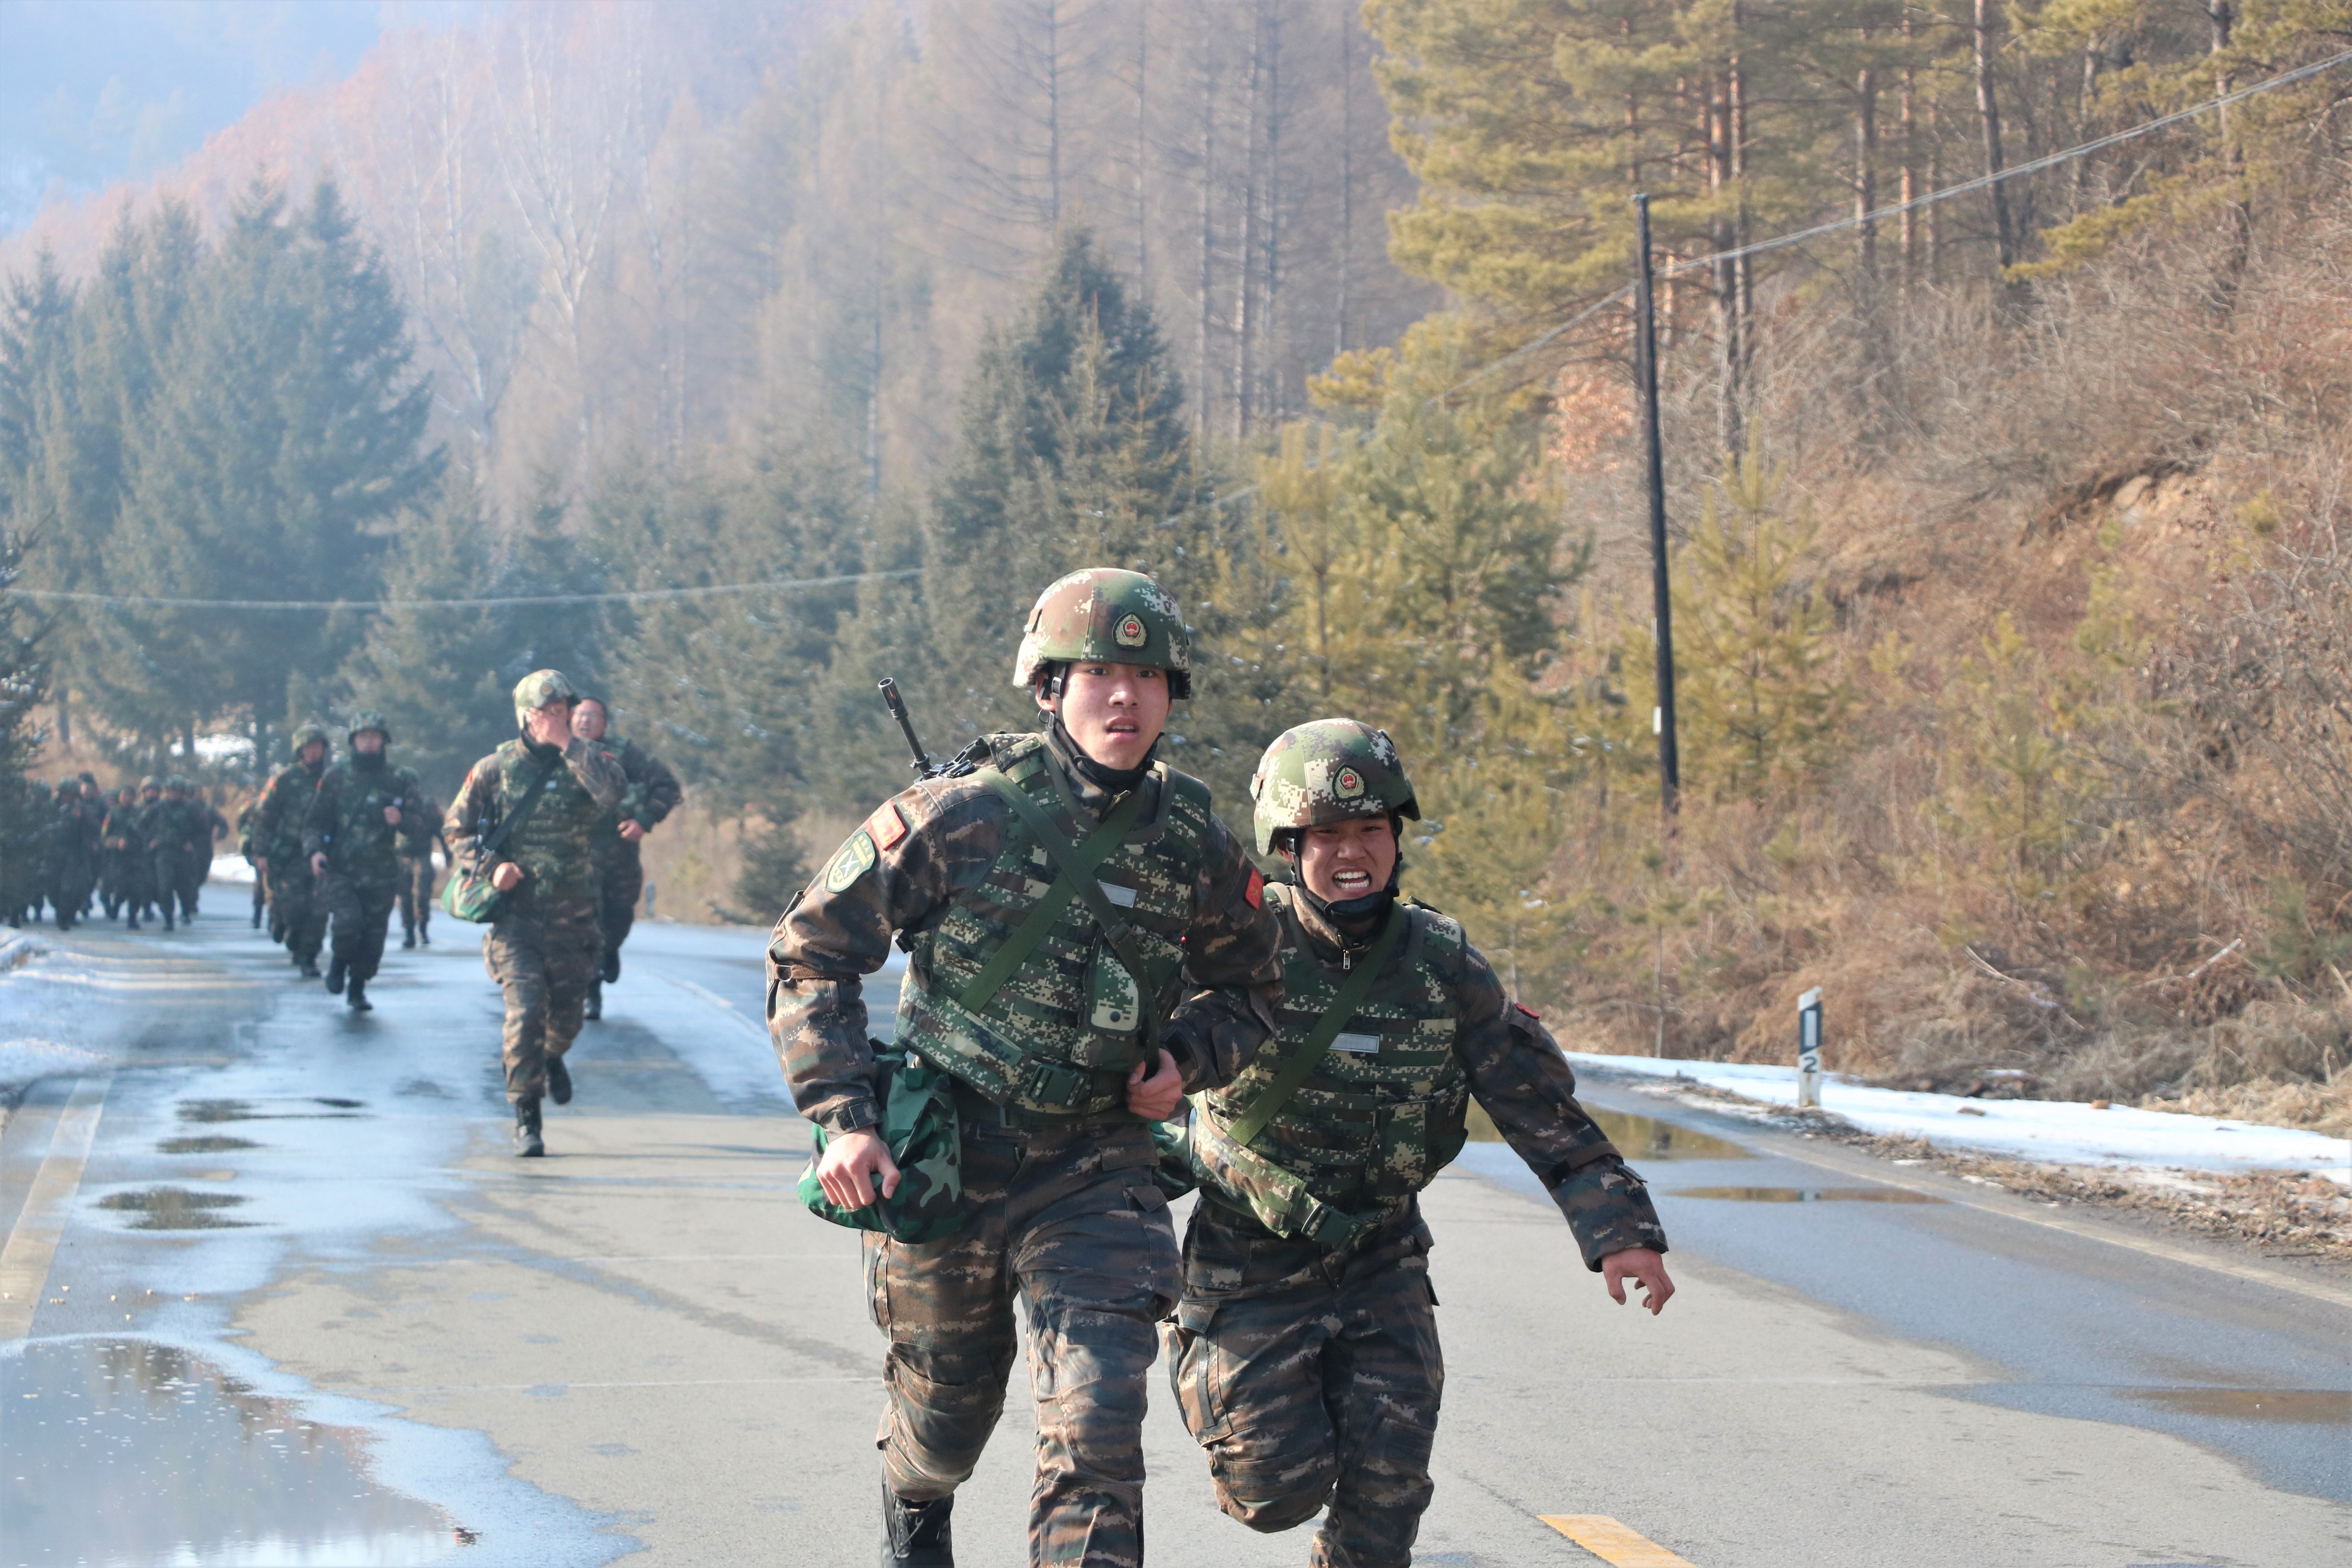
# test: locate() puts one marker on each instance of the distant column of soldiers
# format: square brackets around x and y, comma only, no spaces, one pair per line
[146,852]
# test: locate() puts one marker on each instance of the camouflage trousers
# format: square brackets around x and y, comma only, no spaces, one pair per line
[1066,1222]
[545,963]
[298,908]
[620,883]
[416,886]
[360,906]
[178,874]
[1311,1377]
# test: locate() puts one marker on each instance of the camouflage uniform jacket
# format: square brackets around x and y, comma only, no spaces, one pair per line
[420,824]
[184,825]
[554,846]
[653,794]
[285,810]
[345,822]
[1385,1110]
[248,817]
[124,829]
[79,823]
[929,863]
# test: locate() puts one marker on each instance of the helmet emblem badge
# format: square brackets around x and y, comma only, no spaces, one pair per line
[1348,784]
[1129,632]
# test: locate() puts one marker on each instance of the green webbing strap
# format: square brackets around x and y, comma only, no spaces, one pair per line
[1077,863]
[1300,1067]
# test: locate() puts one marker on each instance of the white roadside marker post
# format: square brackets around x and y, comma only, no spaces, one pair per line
[1809,1050]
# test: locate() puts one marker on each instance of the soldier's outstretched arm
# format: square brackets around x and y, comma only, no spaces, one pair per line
[1519,1074]
[1233,954]
[898,872]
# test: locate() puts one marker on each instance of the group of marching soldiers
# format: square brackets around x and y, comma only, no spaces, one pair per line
[141,854]
[1107,1003]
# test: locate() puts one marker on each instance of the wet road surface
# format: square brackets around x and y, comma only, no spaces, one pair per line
[296,1304]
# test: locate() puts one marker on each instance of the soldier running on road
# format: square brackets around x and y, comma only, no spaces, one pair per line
[420,830]
[1063,1033]
[351,833]
[542,949]
[297,911]
[1304,1353]
[654,794]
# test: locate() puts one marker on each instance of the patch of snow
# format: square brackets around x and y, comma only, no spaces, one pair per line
[23,1060]
[2051,1131]
[230,868]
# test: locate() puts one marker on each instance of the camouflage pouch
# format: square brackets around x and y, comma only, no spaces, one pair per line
[926,1141]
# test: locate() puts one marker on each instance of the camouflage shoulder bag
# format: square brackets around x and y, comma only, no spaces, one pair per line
[468,895]
[920,1126]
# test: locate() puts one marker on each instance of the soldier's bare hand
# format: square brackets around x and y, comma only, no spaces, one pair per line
[318,865]
[506,878]
[632,830]
[1155,1099]
[392,816]
[852,1165]
[1645,1268]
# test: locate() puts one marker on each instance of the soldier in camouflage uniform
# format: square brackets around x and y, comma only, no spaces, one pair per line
[654,794]
[28,827]
[178,846]
[248,817]
[543,948]
[351,833]
[1068,1008]
[297,904]
[123,841]
[420,829]
[1305,1353]
[82,814]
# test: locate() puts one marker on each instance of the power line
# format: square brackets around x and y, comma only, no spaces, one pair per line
[379,606]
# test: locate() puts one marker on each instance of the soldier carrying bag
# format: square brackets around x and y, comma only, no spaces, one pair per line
[468,895]
[918,1124]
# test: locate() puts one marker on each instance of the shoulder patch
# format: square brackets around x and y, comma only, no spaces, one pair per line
[857,859]
[1530,1012]
[886,825]
[1255,891]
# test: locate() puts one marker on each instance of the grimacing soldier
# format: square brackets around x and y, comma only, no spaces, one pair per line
[654,794]
[1304,1353]
[543,948]
[352,836]
[1060,1055]
[298,905]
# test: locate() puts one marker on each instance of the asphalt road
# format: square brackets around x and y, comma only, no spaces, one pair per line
[277,1293]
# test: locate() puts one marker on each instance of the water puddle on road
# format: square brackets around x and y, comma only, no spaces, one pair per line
[214,1110]
[1807,1194]
[1638,1138]
[205,1145]
[174,1209]
[2289,1406]
[121,1452]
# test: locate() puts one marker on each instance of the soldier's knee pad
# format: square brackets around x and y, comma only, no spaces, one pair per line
[936,1430]
[1270,1490]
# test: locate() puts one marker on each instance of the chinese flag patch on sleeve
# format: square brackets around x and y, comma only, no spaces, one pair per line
[887,825]
[1256,891]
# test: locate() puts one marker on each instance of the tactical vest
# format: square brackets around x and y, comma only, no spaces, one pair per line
[284,806]
[1383,1112]
[553,843]
[363,840]
[1058,1035]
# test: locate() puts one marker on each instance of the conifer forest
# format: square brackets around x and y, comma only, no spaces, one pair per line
[2009,519]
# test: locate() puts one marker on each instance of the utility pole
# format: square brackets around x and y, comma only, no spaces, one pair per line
[1645,373]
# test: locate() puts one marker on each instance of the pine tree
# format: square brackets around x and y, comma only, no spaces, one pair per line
[1072,450]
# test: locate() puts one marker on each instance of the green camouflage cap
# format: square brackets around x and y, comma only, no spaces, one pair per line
[1110,615]
[368,719]
[539,688]
[1332,770]
[304,734]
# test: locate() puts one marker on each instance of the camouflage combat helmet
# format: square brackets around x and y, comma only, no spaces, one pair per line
[539,688]
[368,719]
[1329,771]
[1106,613]
[174,781]
[150,782]
[304,734]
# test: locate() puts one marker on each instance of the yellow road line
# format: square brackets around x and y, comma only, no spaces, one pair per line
[1611,1541]
[33,1241]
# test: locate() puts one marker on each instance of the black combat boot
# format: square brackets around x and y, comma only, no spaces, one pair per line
[357,998]
[337,968]
[167,920]
[527,1144]
[408,939]
[916,1534]
[559,1081]
[609,968]
[424,936]
[593,1007]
